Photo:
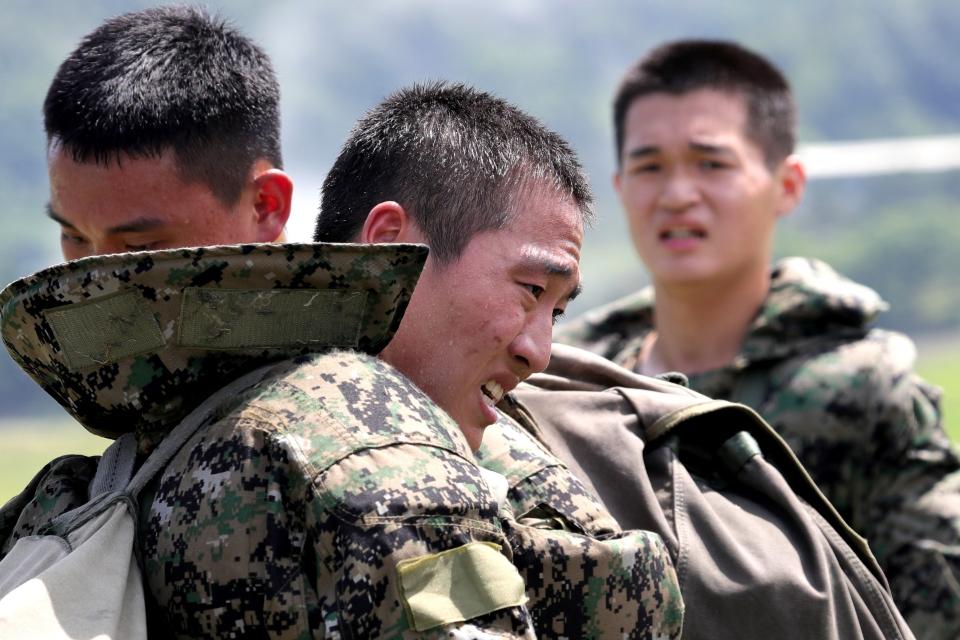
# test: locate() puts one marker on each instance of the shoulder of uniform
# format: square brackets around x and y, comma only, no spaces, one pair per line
[353,401]
[889,353]
[512,452]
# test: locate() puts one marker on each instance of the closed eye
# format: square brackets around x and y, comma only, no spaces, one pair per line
[141,247]
[72,239]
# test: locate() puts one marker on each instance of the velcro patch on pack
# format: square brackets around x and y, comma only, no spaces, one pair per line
[241,318]
[458,584]
[105,330]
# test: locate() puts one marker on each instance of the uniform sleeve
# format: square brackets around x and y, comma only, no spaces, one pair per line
[61,485]
[538,480]
[408,544]
[619,586]
[585,577]
[914,505]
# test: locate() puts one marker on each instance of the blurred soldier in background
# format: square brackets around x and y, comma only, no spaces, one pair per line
[704,137]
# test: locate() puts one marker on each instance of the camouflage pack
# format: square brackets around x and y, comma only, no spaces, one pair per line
[126,342]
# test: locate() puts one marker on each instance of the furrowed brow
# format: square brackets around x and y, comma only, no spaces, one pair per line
[53,216]
[546,264]
[644,151]
[713,149]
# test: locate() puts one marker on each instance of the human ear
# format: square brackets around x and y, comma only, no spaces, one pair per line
[616,181]
[272,200]
[792,180]
[389,222]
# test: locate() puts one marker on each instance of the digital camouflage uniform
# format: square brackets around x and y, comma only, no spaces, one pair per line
[332,498]
[846,399]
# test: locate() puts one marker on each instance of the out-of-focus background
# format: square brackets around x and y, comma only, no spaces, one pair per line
[880,72]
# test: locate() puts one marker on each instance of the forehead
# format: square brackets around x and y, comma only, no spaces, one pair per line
[544,231]
[125,187]
[699,113]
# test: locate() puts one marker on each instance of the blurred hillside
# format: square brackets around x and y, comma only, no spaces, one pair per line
[860,70]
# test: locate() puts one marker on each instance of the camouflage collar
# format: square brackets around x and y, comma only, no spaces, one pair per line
[133,341]
[808,303]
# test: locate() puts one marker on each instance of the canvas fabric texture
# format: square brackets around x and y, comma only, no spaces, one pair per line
[758,551]
[290,514]
[846,398]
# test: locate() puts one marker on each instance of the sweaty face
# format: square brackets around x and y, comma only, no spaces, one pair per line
[138,204]
[479,325]
[700,201]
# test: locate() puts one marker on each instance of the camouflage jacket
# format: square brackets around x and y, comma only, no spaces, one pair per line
[846,399]
[332,499]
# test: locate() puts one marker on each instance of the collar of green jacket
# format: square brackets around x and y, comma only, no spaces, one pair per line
[133,341]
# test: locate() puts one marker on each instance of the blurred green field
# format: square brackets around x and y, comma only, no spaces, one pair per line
[26,446]
[940,364]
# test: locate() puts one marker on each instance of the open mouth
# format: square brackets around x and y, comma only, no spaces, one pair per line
[492,390]
[682,233]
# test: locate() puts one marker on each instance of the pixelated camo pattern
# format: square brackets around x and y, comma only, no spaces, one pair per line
[146,391]
[846,399]
[288,515]
[604,584]
[616,586]
[537,478]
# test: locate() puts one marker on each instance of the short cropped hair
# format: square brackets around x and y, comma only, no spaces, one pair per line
[454,157]
[683,66]
[169,78]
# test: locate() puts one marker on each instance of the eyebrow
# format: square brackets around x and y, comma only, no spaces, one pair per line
[552,268]
[706,147]
[134,226]
[701,147]
[58,219]
[643,151]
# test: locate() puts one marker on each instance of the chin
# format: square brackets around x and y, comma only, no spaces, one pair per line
[474,434]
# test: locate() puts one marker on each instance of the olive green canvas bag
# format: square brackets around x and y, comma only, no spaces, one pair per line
[758,550]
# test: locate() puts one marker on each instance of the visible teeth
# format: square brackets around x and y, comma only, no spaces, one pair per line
[492,390]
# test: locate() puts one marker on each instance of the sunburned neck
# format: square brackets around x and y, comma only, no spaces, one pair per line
[701,327]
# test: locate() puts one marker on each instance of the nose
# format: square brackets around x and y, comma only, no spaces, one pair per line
[531,347]
[679,191]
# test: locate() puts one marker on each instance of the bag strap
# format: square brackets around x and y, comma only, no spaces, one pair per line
[112,479]
[174,441]
[115,467]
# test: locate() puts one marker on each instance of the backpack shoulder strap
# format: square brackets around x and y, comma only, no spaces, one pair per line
[174,441]
[115,476]
[115,467]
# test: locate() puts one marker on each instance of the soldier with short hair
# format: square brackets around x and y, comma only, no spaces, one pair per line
[176,115]
[704,141]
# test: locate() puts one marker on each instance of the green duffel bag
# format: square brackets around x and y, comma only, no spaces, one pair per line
[759,552]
